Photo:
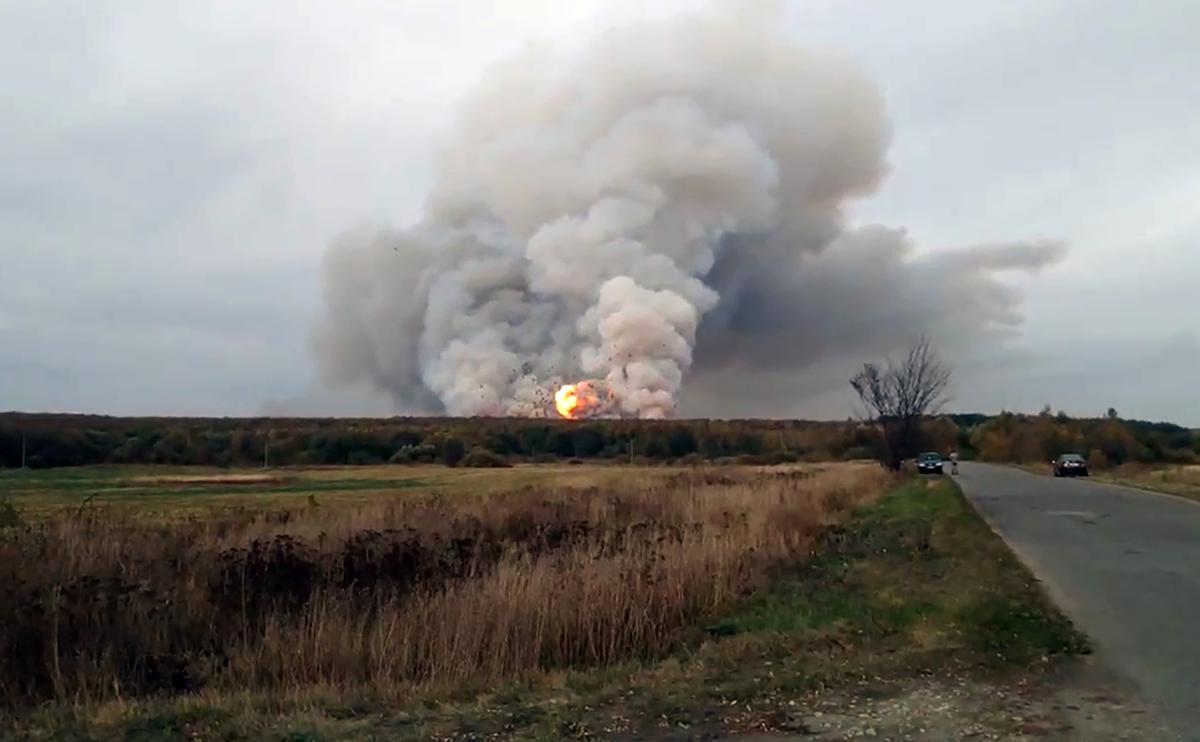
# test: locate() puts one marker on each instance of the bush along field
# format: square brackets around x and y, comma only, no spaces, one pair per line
[701,600]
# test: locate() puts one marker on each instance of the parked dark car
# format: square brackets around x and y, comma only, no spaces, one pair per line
[1070,465]
[930,463]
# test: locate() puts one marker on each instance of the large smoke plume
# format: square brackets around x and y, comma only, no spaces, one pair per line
[663,211]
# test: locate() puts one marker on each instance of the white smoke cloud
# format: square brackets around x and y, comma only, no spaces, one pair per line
[665,206]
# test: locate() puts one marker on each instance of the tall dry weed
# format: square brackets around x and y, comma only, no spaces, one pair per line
[438,590]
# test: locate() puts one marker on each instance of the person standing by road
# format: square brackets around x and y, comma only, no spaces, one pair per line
[953,461]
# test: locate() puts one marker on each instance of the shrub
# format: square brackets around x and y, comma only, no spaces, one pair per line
[10,517]
[781,457]
[681,441]
[363,458]
[692,459]
[421,454]
[859,453]
[482,458]
[452,451]
[1097,460]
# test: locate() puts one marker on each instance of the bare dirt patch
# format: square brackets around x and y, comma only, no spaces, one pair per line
[1078,702]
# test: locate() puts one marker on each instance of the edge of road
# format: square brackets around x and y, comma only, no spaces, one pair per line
[1096,660]
[1102,482]
[1056,595]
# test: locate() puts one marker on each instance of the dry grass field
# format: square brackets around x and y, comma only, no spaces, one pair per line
[173,492]
[382,577]
[528,602]
[1182,480]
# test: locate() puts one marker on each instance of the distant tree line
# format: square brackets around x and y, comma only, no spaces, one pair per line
[76,440]
[1105,441]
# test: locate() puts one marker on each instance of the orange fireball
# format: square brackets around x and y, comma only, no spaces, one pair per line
[576,401]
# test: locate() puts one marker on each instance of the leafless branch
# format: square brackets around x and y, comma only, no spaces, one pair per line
[900,394]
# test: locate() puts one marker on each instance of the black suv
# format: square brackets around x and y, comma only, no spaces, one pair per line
[1070,465]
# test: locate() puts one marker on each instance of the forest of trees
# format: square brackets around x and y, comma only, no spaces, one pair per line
[72,440]
[1106,441]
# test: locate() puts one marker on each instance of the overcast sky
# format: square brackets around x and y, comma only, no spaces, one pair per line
[171,173]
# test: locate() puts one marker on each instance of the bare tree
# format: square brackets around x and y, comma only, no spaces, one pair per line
[898,395]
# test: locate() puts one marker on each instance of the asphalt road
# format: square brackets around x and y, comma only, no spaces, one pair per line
[1123,564]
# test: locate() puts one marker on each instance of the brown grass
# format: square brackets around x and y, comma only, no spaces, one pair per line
[1182,480]
[429,591]
[194,479]
[158,492]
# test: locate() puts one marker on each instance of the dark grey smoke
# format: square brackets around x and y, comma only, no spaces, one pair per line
[662,212]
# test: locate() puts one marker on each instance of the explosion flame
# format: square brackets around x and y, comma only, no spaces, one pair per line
[577,401]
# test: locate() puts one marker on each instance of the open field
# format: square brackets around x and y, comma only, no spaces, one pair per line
[166,491]
[542,603]
[457,578]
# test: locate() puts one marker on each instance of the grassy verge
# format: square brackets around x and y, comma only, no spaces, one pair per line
[913,585]
[1181,480]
